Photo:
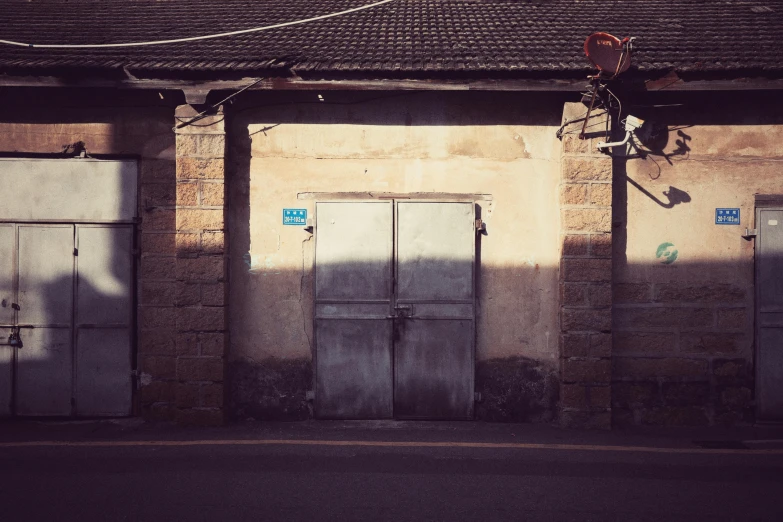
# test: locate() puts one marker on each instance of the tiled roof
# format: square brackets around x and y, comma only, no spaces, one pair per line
[405,38]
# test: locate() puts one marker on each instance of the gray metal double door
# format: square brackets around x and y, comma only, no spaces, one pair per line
[769,314]
[66,289]
[395,309]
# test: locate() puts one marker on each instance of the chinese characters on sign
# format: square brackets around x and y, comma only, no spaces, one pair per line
[727,216]
[295,216]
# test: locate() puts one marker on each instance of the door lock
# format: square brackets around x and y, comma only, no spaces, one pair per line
[404,310]
[15,339]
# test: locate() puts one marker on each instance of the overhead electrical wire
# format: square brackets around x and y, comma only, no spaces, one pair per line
[195,38]
[203,114]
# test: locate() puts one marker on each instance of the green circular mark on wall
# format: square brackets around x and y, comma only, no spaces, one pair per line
[666,253]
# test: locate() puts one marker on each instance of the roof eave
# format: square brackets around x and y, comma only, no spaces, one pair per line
[298,84]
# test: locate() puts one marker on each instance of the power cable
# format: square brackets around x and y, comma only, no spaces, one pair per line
[203,114]
[194,38]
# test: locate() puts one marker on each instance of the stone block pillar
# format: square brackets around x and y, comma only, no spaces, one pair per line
[585,273]
[201,268]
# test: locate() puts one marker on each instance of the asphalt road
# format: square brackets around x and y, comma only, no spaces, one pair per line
[217,481]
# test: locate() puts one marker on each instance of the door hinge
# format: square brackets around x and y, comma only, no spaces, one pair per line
[310,395]
[749,234]
[480,226]
[76,251]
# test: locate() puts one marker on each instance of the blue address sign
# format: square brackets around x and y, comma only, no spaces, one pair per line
[727,216]
[295,216]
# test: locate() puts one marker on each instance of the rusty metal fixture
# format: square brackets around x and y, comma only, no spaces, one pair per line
[611,56]
[608,53]
[595,83]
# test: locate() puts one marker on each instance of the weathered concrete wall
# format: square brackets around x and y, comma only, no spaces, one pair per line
[683,286]
[497,144]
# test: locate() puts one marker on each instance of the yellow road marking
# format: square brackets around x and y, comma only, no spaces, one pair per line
[390,444]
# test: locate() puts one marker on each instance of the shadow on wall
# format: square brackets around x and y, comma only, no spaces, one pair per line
[683,343]
[73,286]
[682,353]
[683,337]
[77,317]
[76,284]
[365,348]
[513,389]
[518,387]
[684,347]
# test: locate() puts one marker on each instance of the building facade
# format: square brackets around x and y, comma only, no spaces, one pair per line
[416,247]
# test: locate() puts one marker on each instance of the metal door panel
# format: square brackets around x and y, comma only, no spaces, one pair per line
[6,374]
[353,300]
[46,274]
[770,247]
[441,310]
[103,378]
[353,251]
[354,369]
[78,189]
[44,365]
[435,249]
[771,319]
[769,304]
[352,310]
[770,375]
[7,270]
[7,250]
[434,351]
[43,379]
[103,315]
[104,267]
[433,364]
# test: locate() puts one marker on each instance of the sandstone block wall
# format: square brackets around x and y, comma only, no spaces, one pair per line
[681,353]
[182,304]
[200,269]
[585,274]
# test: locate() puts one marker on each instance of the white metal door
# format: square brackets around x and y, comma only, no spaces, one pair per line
[352,310]
[44,365]
[433,349]
[769,314]
[7,297]
[394,309]
[72,285]
[66,242]
[103,320]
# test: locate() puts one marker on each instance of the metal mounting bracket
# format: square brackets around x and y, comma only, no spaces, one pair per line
[195,95]
[749,234]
